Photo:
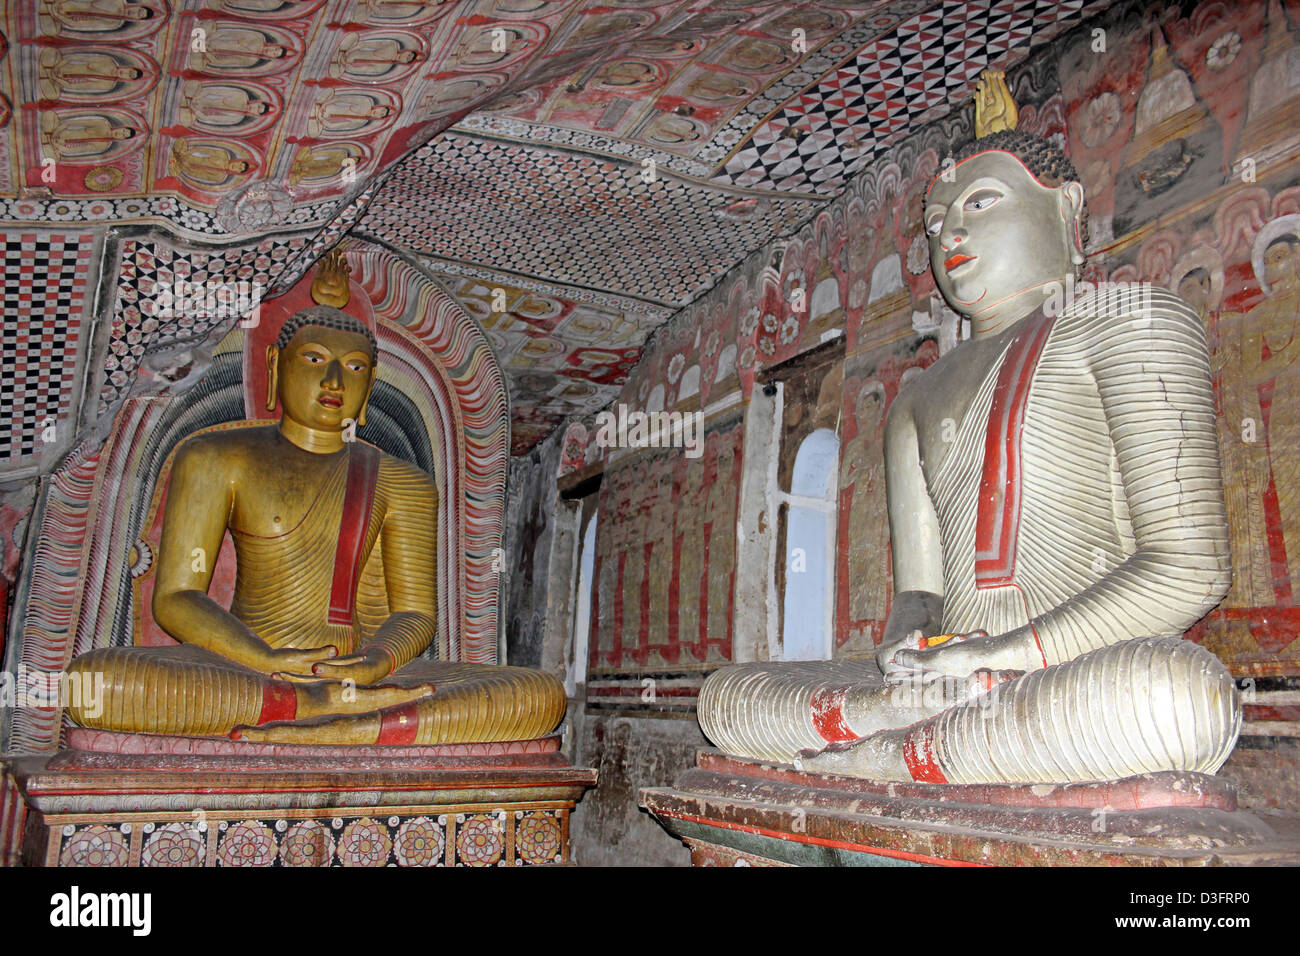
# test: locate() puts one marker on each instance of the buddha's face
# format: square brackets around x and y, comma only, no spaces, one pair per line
[870,405]
[323,377]
[1194,289]
[1000,241]
[1280,263]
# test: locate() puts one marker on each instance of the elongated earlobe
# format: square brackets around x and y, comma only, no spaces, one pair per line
[272,375]
[1074,199]
[370,387]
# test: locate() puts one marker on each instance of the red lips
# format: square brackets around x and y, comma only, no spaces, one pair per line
[330,401]
[954,261]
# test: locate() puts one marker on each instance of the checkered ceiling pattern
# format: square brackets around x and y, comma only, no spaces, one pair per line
[603,225]
[44,281]
[917,71]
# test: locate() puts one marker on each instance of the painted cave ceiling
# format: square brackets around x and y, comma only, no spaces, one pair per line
[574,172]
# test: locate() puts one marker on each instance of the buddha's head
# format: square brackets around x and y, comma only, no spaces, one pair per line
[1195,288]
[1006,226]
[1280,263]
[321,369]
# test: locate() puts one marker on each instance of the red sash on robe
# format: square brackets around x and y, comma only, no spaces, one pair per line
[997,522]
[358,501]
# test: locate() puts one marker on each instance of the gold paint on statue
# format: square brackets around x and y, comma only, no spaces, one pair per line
[995,110]
[330,287]
[280,491]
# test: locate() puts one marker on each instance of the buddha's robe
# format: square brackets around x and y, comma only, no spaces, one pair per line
[1081,498]
[1084,531]
[325,582]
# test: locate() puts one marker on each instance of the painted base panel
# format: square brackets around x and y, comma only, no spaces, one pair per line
[143,803]
[735,812]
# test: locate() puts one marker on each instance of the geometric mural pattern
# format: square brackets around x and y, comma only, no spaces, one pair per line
[42,291]
[499,837]
[896,83]
[687,98]
[602,225]
[140,322]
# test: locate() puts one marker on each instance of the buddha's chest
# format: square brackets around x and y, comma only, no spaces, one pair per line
[1017,418]
[295,504]
[951,398]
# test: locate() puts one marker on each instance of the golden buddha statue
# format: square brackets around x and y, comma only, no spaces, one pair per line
[335,590]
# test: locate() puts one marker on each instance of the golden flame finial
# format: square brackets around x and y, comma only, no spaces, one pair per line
[995,110]
[330,287]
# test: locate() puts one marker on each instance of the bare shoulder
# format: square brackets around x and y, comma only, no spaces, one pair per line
[902,410]
[924,398]
[223,451]
[912,394]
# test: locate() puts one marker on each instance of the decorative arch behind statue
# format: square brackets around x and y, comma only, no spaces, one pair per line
[439,402]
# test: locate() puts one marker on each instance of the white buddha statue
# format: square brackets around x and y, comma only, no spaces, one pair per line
[1056,517]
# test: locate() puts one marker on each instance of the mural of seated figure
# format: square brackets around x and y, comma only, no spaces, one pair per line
[1056,516]
[335,587]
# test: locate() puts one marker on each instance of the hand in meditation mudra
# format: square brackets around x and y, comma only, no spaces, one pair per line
[1056,516]
[334,596]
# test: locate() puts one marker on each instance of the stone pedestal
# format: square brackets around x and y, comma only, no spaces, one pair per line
[733,812]
[145,800]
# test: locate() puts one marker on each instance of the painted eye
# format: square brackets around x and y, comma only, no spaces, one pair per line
[935,226]
[981,201]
